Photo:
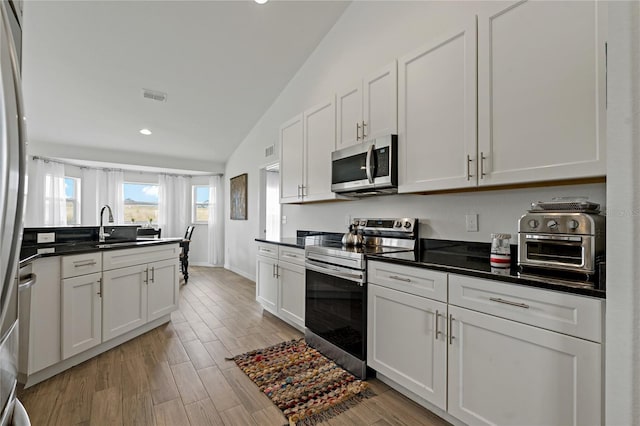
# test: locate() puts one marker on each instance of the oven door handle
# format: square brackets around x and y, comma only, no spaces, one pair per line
[569,238]
[335,271]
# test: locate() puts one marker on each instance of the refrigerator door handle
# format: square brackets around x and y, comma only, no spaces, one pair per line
[27,281]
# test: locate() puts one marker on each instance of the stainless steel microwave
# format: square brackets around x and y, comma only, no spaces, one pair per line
[369,168]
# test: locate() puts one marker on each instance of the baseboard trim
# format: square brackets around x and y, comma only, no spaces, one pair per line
[239,272]
[205,264]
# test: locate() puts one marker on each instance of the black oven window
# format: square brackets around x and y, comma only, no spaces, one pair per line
[564,253]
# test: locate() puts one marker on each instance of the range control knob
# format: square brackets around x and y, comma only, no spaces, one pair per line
[407,224]
[363,223]
[533,223]
[398,224]
[573,224]
[552,224]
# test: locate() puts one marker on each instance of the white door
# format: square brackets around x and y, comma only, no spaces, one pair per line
[81,314]
[406,341]
[506,373]
[124,300]
[541,91]
[437,113]
[292,160]
[380,102]
[291,295]
[267,283]
[162,290]
[349,116]
[320,142]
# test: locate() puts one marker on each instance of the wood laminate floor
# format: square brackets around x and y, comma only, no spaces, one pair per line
[177,374]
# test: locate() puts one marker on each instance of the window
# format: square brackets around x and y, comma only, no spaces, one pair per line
[200,210]
[72,197]
[140,202]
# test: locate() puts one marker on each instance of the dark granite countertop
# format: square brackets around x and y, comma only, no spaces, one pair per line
[29,253]
[303,239]
[468,260]
[297,242]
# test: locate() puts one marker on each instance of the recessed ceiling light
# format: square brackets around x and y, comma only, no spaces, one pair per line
[145,132]
[261,1]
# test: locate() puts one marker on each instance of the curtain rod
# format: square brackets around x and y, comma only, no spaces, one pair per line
[66,163]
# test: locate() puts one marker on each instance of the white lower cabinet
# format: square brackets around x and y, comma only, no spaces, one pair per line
[124,300]
[162,293]
[502,372]
[280,282]
[406,341]
[291,279]
[81,313]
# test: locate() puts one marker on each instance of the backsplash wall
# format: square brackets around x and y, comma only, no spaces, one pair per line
[441,216]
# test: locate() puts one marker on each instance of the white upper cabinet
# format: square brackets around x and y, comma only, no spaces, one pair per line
[541,91]
[292,160]
[368,108]
[306,143]
[437,113]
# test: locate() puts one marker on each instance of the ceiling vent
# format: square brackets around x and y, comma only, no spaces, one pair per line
[268,151]
[154,95]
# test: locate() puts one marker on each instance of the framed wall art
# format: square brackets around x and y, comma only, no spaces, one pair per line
[238,191]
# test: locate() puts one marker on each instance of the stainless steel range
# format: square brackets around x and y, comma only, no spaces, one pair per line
[336,288]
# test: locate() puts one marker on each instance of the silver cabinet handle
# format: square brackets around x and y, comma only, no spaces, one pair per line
[395,277]
[357,131]
[364,135]
[469,160]
[508,302]
[277,271]
[78,264]
[451,329]
[153,274]
[438,332]
[27,281]
[146,279]
[302,187]
[273,270]
[482,158]
[298,191]
[100,289]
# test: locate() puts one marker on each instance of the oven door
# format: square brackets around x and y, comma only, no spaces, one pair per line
[335,306]
[564,252]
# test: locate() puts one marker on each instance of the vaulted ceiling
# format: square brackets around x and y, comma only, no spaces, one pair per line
[221,64]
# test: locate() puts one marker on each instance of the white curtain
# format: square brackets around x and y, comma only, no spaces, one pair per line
[174,205]
[215,227]
[100,187]
[46,200]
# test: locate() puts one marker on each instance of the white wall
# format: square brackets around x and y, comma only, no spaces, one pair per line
[368,36]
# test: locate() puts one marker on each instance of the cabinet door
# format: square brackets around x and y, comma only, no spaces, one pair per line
[291,294]
[406,341]
[437,113]
[541,97]
[349,116]
[124,300]
[505,373]
[320,142]
[291,160]
[380,101]
[40,317]
[162,291]
[81,314]
[267,283]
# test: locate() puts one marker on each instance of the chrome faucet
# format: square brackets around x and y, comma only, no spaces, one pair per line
[101,233]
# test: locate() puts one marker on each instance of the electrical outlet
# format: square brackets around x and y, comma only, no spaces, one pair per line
[46,237]
[472,222]
[284,220]
[347,220]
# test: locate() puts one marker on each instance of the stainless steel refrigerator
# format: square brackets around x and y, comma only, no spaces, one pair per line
[12,188]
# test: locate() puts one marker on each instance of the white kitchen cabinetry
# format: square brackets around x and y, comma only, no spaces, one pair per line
[81,313]
[162,291]
[280,282]
[368,109]
[520,347]
[502,372]
[437,113]
[541,92]
[407,341]
[124,300]
[306,144]
[40,318]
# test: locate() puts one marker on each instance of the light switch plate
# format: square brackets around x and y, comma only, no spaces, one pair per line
[46,237]
[472,222]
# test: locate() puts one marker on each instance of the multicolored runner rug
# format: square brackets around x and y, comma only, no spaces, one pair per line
[307,387]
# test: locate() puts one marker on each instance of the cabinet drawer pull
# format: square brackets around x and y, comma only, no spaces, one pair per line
[146,276]
[77,264]
[438,332]
[469,175]
[295,256]
[482,158]
[364,135]
[395,277]
[266,250]
[508,302]
[100,289]
[358,131]
[451,329]
[153,274]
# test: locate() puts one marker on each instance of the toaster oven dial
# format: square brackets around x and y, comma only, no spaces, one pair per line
[407,224]
[533,223]
[552,224]
[573,224]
